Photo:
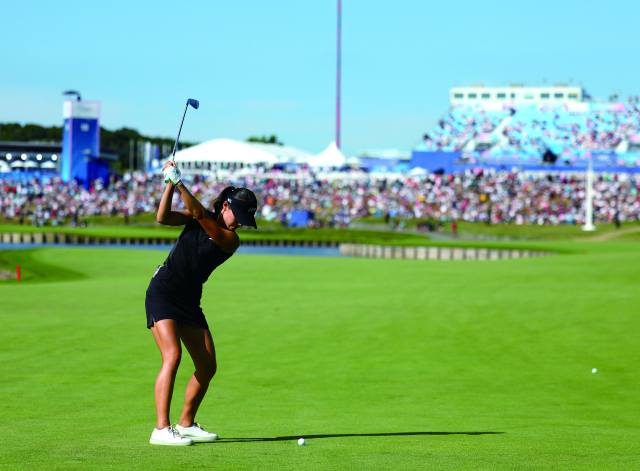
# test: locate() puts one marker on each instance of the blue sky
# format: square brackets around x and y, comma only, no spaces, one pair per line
[261,67]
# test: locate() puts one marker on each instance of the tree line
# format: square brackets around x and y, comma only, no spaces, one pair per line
[273,139]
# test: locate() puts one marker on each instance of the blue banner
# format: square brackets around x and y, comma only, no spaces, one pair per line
[450,162]
[81,141]
[434,161]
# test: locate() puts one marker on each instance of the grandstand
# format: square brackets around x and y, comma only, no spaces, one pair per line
[28,159]
[553,130]
[15,156]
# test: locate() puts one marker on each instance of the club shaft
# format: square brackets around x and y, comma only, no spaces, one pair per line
[175,147]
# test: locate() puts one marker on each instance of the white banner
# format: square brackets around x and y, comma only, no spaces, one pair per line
[80,109]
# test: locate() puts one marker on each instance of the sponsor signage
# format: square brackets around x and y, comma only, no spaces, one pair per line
[80,140]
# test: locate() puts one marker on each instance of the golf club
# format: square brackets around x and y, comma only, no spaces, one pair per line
[196,105]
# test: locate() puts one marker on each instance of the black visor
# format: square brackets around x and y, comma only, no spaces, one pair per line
[243,212]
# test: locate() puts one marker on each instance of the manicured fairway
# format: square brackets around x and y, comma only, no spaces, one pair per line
[379,364]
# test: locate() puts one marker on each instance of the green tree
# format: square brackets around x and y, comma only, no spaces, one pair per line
[266,139]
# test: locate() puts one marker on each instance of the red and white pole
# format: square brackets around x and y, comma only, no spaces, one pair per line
[18,272]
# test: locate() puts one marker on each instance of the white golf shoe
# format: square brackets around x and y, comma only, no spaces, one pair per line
[196,433]
[169,436]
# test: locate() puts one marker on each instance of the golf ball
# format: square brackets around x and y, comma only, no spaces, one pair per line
[595,370]
[301,441]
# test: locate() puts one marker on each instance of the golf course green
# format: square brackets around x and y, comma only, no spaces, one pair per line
[378,364]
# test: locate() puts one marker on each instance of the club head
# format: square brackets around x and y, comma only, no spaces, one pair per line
[193,103]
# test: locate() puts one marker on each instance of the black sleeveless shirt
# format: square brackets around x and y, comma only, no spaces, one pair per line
[195,255]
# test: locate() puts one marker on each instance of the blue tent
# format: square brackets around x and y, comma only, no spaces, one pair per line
[300,218]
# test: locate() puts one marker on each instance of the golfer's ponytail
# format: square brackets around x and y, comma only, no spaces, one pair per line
[222,197]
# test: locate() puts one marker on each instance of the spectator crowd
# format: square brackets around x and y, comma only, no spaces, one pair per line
[459,126]
[532,130]
[597,130]
[474,195]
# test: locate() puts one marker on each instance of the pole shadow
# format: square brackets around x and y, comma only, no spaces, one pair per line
[343,435]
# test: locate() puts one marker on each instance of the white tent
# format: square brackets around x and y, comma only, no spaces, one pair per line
[222,153]
[284,154]
[4,167]
[48,164]
[417,171]
[330,157]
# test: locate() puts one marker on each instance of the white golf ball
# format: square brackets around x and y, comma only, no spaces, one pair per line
[301,441]
[595,370]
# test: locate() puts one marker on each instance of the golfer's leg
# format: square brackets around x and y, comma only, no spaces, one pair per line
[203,353]
[165,333]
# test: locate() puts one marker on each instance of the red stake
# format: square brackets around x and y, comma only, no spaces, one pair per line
[18,271]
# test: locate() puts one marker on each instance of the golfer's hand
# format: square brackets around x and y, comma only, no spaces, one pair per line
[169,163]
[172,174]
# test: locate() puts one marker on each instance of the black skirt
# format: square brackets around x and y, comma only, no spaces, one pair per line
[171,297]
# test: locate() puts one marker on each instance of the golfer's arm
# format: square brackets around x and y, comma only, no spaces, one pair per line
[194,206]
[168,217]
[227,240]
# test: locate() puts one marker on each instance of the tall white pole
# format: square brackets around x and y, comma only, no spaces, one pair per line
[588,223]
[339,73]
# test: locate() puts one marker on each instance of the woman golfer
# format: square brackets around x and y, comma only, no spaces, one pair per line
[173,298]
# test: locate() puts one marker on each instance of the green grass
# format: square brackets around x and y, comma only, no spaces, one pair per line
[635,236]
[337,235]
[145,226]
[269,233]
[100,231]
[528,231]
[380,364]
[143,219]
[564,231]
[32,268]
[306,234]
